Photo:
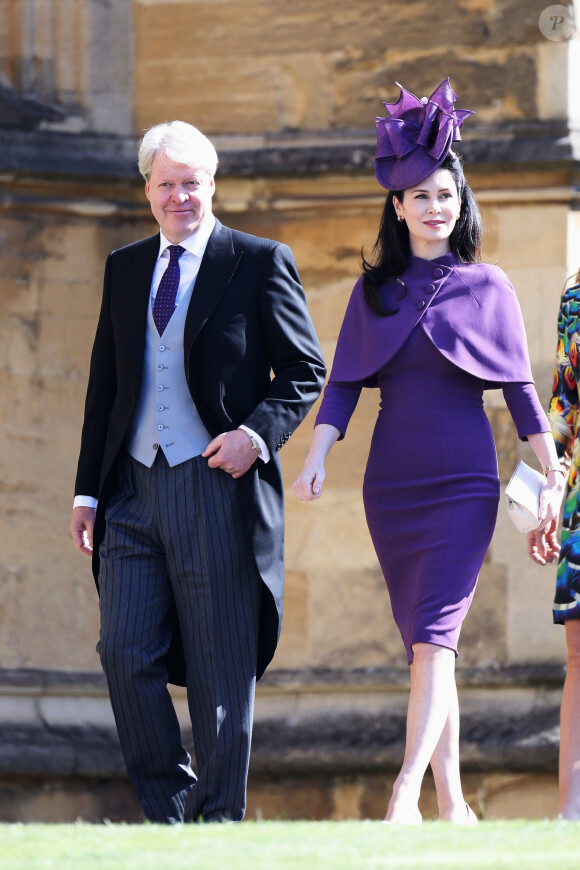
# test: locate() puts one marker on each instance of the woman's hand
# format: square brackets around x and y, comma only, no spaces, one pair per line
[551,499]
[542,443]
[308,484]
[543,546]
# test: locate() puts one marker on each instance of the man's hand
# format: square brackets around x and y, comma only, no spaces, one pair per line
[231,451]
[81,529]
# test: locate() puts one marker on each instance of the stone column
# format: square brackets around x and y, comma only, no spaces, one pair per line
[75,54]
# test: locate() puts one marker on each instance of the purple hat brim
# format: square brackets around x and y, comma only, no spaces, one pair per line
[406,172]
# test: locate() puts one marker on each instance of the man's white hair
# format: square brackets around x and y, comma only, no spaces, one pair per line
[182,143]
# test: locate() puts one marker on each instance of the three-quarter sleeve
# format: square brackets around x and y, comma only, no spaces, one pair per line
[338,404]
[563,412]
[525,408]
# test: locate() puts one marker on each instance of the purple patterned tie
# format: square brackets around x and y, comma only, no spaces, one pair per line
[164,304]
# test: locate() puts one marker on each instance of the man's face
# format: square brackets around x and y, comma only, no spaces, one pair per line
[180,197]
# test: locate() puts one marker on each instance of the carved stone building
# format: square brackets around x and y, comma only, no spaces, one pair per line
[289,93]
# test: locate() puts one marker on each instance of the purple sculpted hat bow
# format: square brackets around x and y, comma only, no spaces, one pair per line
[417,136]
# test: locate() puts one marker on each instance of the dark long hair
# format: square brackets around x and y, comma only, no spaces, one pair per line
[391,251]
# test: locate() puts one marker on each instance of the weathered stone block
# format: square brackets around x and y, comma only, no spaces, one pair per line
[294,649]
[506,441]
[299,69]
[483,636]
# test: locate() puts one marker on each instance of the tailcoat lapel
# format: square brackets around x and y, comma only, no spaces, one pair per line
[215,273]
[135,294]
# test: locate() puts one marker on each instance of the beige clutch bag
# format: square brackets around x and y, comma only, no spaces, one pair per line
[523,497]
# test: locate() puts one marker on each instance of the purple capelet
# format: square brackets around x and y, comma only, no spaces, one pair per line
[469,311]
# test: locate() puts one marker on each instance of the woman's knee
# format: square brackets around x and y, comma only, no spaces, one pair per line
[432,652]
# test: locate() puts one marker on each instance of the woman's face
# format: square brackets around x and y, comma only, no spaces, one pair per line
[430,210]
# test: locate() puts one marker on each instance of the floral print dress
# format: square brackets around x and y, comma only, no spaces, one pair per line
[564,419]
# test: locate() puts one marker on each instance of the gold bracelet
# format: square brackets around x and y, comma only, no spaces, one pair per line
[559,468]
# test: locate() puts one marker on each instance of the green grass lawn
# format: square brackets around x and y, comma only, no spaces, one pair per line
[280,845]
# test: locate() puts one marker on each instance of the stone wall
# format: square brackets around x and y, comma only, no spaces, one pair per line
[67,63]
[325,745]
[251,66]
[289,94]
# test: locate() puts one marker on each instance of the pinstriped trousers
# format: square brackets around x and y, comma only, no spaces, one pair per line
[175,538]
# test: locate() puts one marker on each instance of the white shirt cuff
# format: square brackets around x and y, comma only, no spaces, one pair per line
[264,453]
[84,501]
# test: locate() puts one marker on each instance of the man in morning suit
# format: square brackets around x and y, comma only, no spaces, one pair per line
[205,361]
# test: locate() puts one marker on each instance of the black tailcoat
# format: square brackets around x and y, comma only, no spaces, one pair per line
[251,357]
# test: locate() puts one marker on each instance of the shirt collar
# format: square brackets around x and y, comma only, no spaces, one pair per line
[195,244]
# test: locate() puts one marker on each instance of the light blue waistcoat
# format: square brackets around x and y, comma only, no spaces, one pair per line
[165,417]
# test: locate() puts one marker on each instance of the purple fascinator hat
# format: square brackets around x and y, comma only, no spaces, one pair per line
[417,136]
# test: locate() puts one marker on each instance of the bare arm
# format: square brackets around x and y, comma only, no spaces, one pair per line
[542,544]
[542,443]
[308,484]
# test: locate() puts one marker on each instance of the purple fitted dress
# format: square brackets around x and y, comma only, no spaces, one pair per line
[431,485]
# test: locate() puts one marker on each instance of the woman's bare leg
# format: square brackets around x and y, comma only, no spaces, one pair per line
[445,766]
[432,691]
[569,768]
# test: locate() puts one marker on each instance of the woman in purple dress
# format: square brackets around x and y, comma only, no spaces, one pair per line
[432,327]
